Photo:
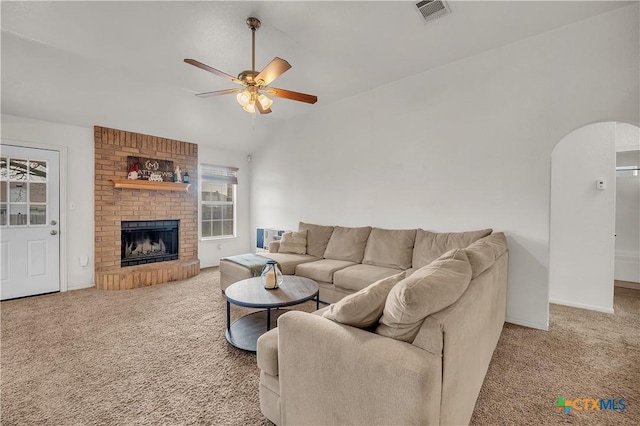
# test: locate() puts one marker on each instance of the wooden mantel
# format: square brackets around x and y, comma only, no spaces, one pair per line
[151,185]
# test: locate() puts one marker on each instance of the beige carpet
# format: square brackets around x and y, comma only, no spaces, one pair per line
[158,355]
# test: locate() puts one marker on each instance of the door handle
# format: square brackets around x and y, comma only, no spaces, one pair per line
[53,232]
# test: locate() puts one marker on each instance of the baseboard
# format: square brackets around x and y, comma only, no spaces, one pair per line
[627,284]
[524,323]
[627,266]
[582,306]
[80,286]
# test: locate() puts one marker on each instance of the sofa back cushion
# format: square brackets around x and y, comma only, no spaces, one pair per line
[363,308]
[431,245]
[317,238]
[484,252]
[428,290]
[390,248]
[347,244]
[294,242]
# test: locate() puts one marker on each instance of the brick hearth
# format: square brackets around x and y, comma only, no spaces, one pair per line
[113,205]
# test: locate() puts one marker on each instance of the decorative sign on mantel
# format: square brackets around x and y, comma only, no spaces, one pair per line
[150,169]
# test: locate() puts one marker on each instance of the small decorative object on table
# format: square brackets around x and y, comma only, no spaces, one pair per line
[185,177]
[271,276]
[176,175]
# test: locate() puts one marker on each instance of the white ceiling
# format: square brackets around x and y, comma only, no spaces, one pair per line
[120,64]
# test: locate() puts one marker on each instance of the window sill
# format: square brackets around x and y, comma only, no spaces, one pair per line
[217,239]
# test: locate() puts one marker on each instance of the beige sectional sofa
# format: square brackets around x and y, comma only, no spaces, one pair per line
[316,370]
[343,260]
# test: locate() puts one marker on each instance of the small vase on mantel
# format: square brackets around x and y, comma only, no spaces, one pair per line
[271,276]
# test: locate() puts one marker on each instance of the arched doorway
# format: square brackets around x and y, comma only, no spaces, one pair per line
[582,217]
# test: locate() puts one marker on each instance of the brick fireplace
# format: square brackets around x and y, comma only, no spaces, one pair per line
[123,216]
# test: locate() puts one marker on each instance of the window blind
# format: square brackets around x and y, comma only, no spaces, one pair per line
[219,174]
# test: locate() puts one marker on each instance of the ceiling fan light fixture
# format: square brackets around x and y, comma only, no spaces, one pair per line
[250,108]
[254,82]
[244,98]
[265,101]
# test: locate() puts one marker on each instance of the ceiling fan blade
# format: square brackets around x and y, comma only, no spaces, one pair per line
[273,70]
[288,94]
[212,70]
[217,93]
[262,110]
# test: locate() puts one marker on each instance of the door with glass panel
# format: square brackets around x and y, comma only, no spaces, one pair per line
[29,221]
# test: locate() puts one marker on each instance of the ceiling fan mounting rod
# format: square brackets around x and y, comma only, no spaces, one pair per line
[253,24]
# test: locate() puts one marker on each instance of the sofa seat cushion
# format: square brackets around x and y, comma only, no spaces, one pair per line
[317,238]
[321,270]
[357,277]
[390,248]
[293,242]
[267,353]
[288,262]
[484,252]
[429,290]
[431,245]
[347,244]
[363,308]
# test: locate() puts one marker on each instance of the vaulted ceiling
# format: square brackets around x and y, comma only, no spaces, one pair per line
[120,64]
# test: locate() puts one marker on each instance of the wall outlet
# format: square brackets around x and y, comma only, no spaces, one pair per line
[601,184]
[84,261]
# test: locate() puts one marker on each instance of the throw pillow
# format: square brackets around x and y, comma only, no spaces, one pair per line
[347,244]
[363,308]
[428,290]
[294,242]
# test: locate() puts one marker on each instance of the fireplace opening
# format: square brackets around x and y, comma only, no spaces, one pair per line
[148,241]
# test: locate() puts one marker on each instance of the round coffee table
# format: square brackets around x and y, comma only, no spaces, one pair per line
[250,293]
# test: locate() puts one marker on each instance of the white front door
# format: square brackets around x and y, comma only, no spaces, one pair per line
[29,221]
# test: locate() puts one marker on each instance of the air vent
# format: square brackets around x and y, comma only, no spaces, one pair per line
[432,9]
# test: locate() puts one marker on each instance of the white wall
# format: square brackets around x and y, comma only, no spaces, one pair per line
[210,251]
[627,137]
[79,186]
[583,219]
[461,147]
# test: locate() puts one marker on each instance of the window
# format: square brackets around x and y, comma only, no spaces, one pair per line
[218,201]
[23,192]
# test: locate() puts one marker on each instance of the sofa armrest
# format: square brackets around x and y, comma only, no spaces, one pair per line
[331,373]
[470,328]
[274,246]
[267,352]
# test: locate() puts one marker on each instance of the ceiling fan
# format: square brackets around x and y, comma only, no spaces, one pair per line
[255,85]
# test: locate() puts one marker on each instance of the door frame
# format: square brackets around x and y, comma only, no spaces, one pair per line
[62,152]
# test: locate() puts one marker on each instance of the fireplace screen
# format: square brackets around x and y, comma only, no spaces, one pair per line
[149,241]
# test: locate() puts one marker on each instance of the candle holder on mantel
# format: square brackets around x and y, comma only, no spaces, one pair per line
[271,276]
